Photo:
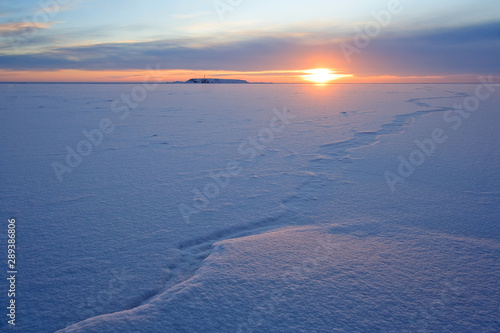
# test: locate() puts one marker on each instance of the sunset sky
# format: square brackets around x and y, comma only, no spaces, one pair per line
[256,40]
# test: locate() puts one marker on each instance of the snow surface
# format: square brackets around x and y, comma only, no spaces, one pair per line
[306,237]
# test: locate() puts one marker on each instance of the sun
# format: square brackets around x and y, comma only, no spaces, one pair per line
[321,75]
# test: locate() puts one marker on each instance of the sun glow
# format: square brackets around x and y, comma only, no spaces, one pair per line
[321,75]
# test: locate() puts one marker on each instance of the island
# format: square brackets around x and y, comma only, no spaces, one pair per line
[207,80]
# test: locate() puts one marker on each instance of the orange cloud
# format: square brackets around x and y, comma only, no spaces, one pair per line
[17,27]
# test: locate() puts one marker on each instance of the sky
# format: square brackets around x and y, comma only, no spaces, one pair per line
[256,40]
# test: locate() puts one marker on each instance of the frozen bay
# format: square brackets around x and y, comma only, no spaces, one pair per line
[249,208]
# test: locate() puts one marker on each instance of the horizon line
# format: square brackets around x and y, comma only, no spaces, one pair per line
[309,83]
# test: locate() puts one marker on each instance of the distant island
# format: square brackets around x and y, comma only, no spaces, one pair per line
[217,81]
[208,80]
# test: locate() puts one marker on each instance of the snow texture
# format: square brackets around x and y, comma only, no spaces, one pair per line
[291,224]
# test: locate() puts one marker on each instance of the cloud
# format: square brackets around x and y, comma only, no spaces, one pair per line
[41,18]
[17,28]
[468,49]
[52,7]
[450,51]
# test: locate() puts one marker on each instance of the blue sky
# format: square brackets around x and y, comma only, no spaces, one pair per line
[449,39]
